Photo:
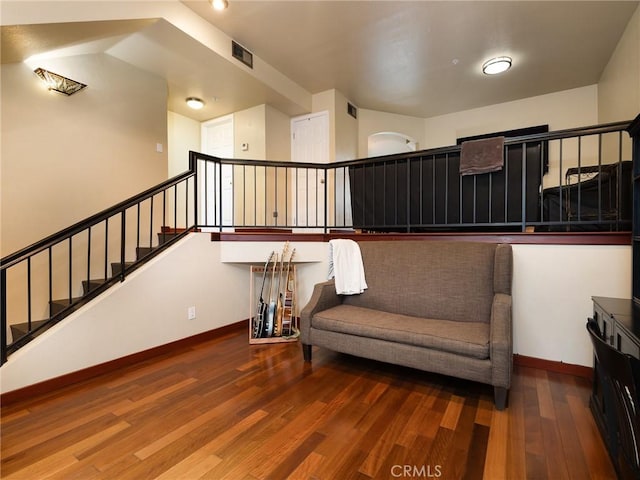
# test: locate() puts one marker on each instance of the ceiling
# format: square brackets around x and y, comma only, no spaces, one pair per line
[419,58]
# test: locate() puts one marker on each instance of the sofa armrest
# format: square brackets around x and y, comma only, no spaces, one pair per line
[501,340]
[324,296]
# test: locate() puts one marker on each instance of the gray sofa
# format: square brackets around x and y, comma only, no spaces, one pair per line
[443,307]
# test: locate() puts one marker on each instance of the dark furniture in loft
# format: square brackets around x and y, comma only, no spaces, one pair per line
[602,194]
[425,192]
[428,193]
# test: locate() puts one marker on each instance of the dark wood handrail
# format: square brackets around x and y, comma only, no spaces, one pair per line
[76,228]
[536,137]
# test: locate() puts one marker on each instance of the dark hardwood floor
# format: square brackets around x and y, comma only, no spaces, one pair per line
[227,410]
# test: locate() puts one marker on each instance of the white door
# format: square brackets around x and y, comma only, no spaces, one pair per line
[217,140]
[309,144]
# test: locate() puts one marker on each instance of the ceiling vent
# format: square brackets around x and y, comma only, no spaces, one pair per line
[242,54]
[352,110]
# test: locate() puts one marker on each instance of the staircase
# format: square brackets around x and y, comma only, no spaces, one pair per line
[22,333]
[68,258]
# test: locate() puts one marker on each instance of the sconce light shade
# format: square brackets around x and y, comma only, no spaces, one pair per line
[195,103]
[59,83]
[496,65]
[219,4]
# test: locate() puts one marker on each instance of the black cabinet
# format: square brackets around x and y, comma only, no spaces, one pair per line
[634,131]
[619,323]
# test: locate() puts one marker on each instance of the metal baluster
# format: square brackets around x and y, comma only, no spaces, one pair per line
[3,316]
[106,247]
[28,294]
[122,242]
[579,179]
[561,183]
[70,269]
[523,175]
[88,260]
[506,185]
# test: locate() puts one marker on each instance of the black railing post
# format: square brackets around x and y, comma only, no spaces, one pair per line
[220,223]
[193,166]
[3,316]
[408,195]
[123,239]
[326,199]
[524,186]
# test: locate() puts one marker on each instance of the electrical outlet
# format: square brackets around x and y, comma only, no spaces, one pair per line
[191,313]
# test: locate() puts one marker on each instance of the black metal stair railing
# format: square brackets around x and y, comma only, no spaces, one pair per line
[45,282]
[567,180]
[413,192]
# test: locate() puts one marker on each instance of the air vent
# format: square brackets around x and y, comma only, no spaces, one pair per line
[352,110]
[242,54]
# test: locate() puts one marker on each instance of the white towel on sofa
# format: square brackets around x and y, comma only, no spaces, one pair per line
[345,264]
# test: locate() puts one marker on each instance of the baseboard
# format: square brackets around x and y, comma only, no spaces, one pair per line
[53,384]
[113,365]
[553,366]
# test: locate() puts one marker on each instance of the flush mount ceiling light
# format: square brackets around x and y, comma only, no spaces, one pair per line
[219,4]
[496,65]
[195,103]
[58,83]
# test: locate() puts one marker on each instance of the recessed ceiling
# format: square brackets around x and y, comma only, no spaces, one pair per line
[418,58]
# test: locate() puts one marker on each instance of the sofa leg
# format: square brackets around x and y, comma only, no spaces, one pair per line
[500,395]
[306,352]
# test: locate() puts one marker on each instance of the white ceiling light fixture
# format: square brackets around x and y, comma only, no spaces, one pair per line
[195,103]
[496,65]
[219,4]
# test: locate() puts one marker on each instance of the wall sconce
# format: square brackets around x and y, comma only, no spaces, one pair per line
[58,82]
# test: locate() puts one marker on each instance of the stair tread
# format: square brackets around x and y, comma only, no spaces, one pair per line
[20,331]
[65,301]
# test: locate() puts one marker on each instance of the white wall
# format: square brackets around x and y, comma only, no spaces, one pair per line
[372,121]
[552,290]
[278,137]
[65,158]
[619,86]
[183,136]
[343,128]
[567,109]
[249,127]
[148,309]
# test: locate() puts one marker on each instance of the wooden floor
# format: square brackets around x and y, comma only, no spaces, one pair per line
[227,410]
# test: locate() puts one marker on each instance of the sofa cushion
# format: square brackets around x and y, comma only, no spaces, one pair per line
[465,338]
[440,280]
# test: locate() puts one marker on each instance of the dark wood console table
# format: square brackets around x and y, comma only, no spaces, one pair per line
[619,322]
